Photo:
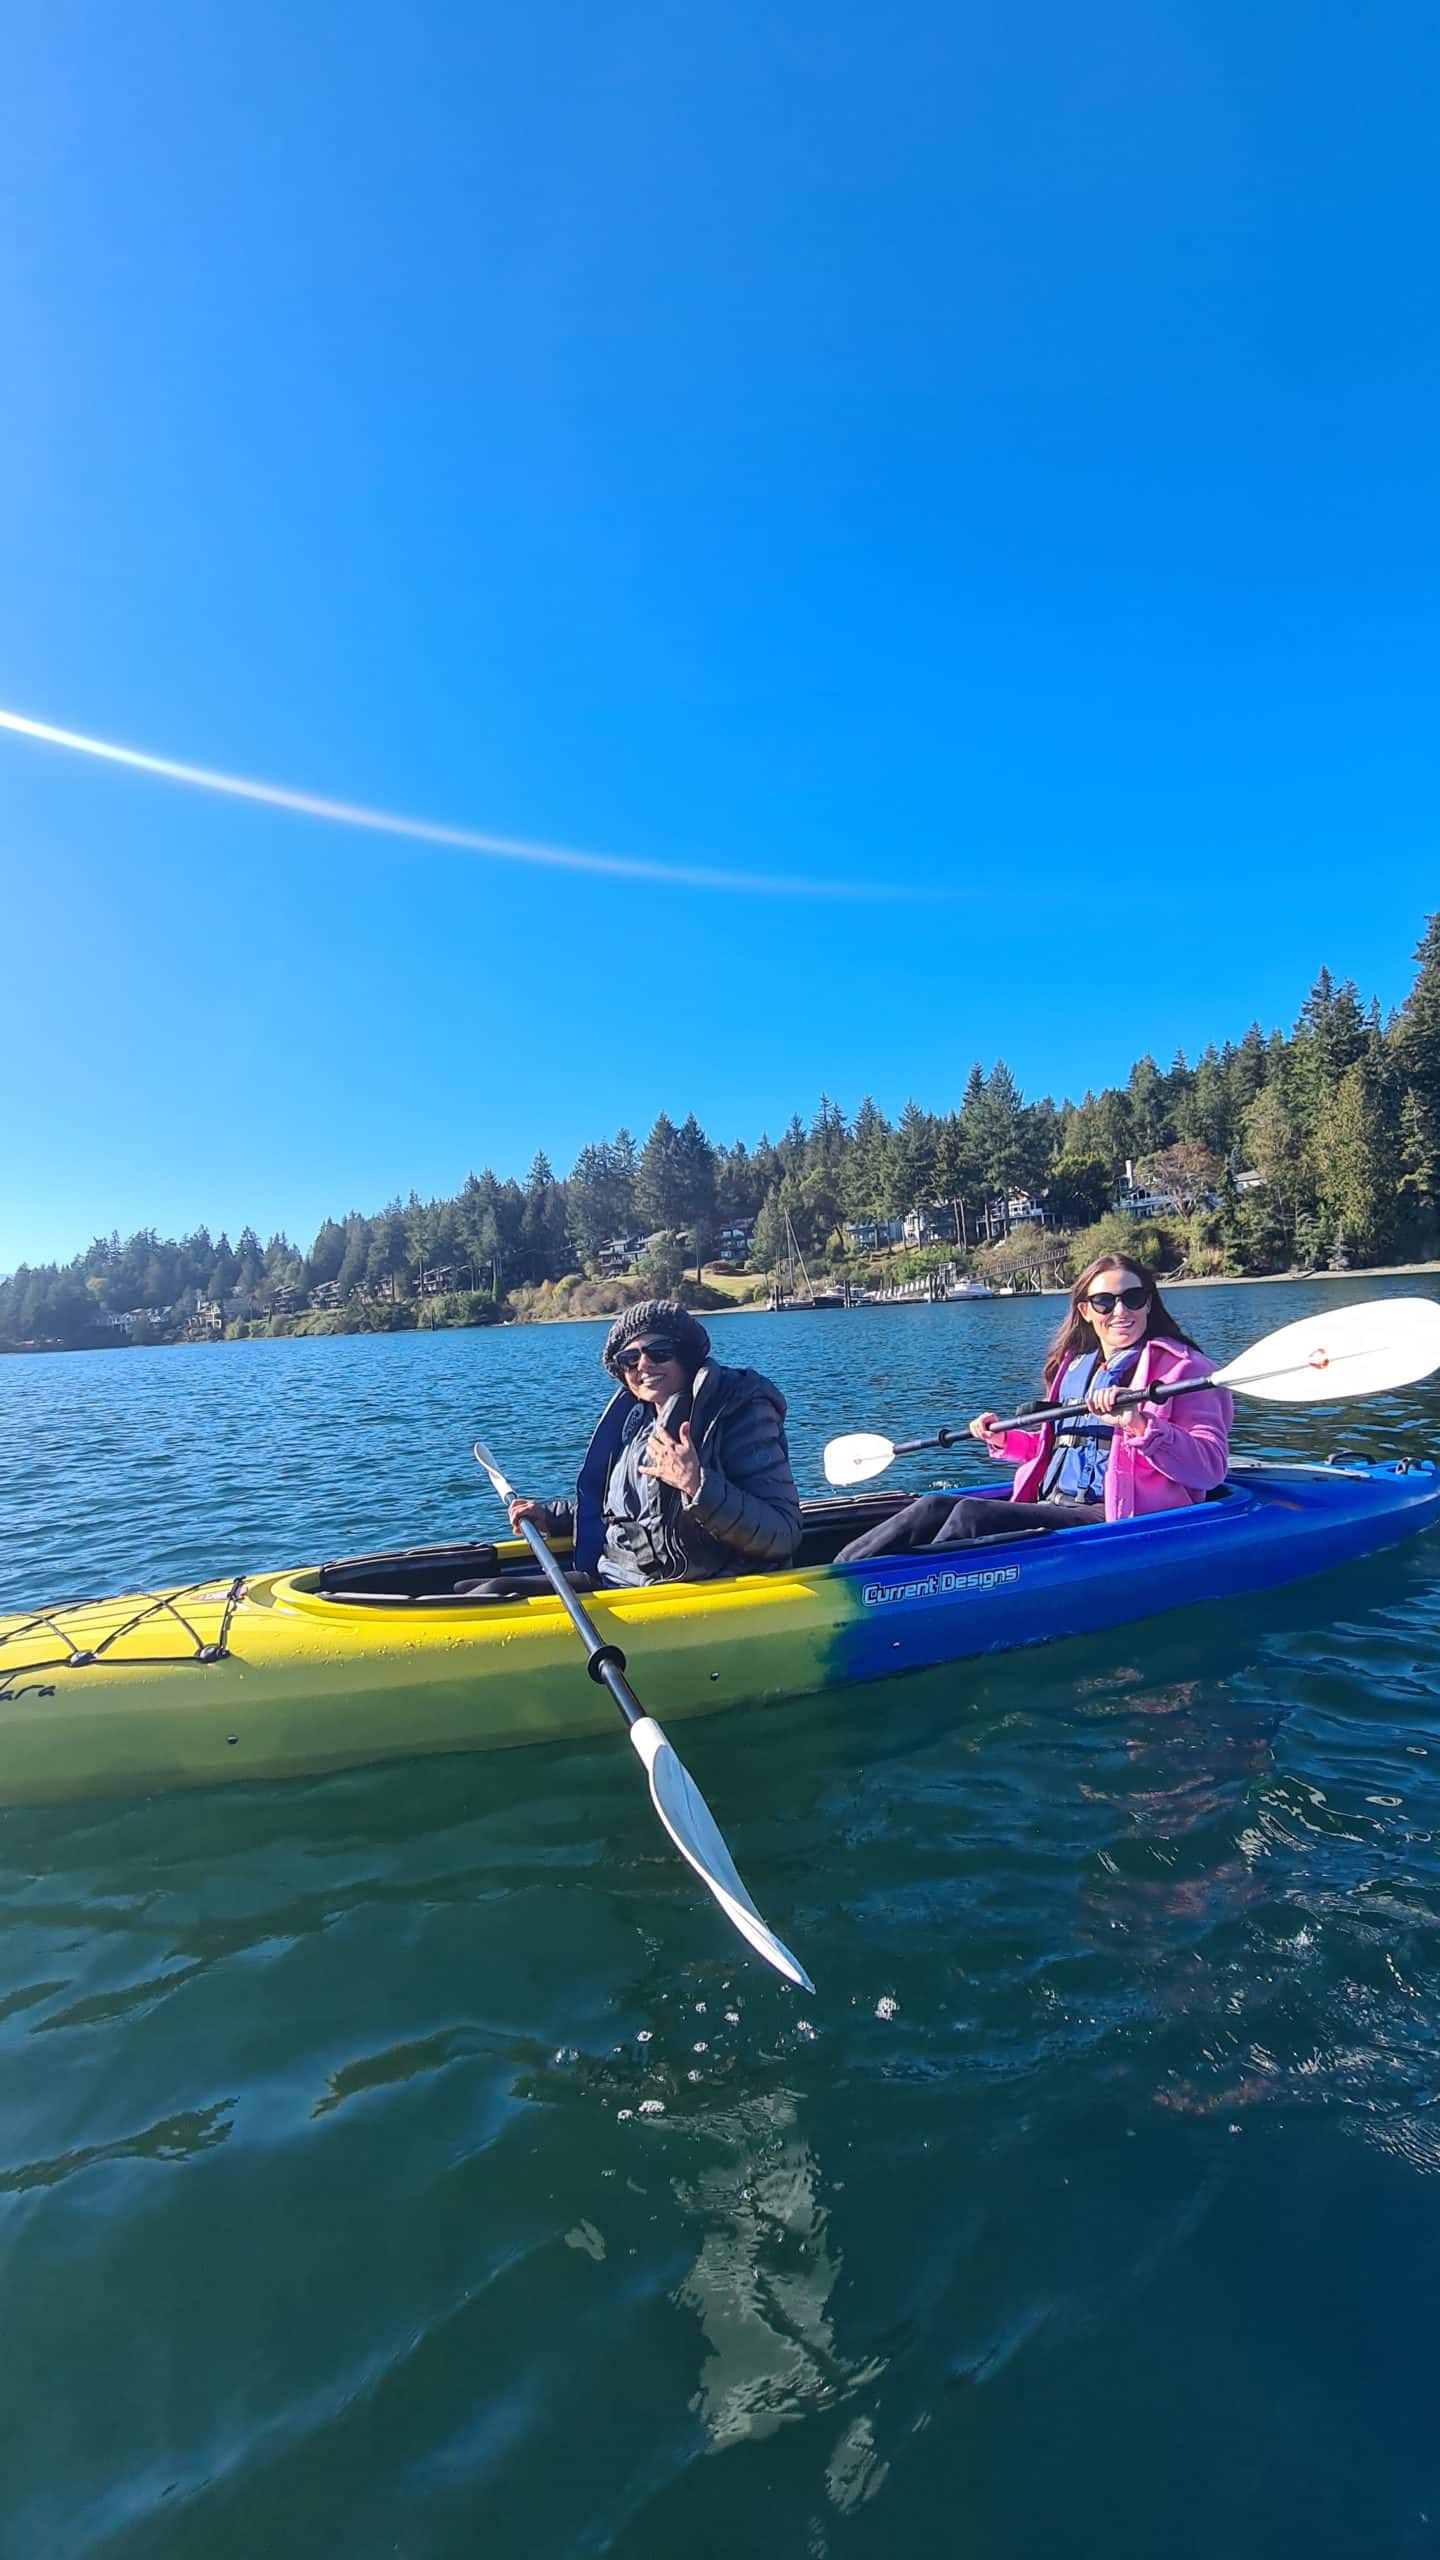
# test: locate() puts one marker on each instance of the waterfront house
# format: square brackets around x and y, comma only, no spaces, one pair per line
[732,1245]
[871,1235]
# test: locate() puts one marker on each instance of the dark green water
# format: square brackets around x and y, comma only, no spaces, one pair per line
[410,2162]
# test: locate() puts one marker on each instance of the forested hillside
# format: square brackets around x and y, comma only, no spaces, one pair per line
[1339,1119]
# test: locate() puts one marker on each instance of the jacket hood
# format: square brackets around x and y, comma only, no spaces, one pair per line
[716,1389]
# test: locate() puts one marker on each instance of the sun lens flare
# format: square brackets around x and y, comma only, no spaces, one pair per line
[388,822]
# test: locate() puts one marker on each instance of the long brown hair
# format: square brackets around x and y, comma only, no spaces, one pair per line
[1077,1334]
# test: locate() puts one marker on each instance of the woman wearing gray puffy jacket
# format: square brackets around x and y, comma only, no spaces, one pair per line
[688,1475]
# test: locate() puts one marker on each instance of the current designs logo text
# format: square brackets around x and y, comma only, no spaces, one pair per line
[935,1585]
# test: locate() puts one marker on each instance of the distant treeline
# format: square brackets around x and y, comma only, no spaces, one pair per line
[1339,1119]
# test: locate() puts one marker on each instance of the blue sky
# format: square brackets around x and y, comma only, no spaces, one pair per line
[993,451]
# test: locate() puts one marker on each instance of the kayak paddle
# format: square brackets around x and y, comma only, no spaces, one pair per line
[1352,1351]
[673,1791]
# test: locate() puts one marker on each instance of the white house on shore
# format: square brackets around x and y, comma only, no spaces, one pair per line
[870,1235]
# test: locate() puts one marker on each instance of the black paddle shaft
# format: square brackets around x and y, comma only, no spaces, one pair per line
[607,1663]
[952,1435]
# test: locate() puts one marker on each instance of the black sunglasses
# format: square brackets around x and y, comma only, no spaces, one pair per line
[654,1352]
[1105,1301]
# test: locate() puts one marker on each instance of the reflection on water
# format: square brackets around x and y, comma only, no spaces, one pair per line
[763,2279]
[407,2163]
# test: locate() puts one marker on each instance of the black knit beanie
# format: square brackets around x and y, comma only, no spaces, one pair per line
[661,1316]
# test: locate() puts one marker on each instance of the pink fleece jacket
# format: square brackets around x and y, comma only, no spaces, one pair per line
[1183,1450]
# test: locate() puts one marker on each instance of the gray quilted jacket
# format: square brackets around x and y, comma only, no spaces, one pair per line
[745,1517]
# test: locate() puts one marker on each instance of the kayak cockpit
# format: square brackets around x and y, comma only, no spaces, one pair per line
[427,1576]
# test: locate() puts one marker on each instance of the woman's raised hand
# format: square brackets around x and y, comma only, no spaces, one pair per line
[673,1459]
[522,1508]
[984,1426]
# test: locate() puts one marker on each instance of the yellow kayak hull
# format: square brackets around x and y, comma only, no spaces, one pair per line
[117,1697]
[284,1674]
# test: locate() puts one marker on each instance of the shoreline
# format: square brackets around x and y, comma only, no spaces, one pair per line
[755,1307]
[1267,1279]
[1195,1280]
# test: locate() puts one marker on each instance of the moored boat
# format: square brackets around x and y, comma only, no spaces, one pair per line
[326,1667]
[792,1296]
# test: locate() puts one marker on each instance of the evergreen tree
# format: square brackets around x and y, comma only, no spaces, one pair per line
[356,1255]
[912,1161]
[1415,1048]
[1080,1190]
[221,1277]
[956,1175]
[324,1258]
[283,1266]
[814,1198]
[662,1266]
[1178,1087]
[197,1258]
[1352,1186]
[827,1134]
[514,1226]
[1244,1076]
[1329,1038]
[587,1215]
[738,1187]
[598,1199]
[1042,1139]
[866,1180]
[1002,1147]
[660,1178]
[793,1145]
[1100,1126]
[1204,1112]
[249,1265]
[970,1135]
[387,1262]
[542,1238]
[445,1246]
[422,1218]
[695,1171]
[767,1166]
[477,1227]
[1276,1150]
[1149,1117]
[767,1244]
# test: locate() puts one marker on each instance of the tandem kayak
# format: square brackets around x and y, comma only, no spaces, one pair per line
[265,1675]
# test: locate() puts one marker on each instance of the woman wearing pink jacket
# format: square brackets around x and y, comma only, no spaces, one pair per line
[1111,1465]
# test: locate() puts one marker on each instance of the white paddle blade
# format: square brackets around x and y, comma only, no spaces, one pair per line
[691,1825]
[862,1454]
[1352,1351]
[492,1468]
